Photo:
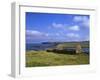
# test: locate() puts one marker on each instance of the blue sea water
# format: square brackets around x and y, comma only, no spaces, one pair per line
[39,46]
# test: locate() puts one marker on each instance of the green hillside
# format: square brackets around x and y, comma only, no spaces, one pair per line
[43,58]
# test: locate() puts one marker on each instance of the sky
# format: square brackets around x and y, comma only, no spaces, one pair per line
[54,27]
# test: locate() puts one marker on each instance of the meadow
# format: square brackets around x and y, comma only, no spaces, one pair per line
[57,56]
[44,58]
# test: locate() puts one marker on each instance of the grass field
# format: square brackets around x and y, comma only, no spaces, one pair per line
[44,58]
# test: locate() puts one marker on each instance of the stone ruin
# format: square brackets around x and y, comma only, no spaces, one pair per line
[78,49]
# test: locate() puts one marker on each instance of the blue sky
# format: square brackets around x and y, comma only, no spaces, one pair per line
[49,27]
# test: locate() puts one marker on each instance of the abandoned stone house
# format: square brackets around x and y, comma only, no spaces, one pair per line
[78,49]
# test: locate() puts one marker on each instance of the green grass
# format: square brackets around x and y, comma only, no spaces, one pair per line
[43,58]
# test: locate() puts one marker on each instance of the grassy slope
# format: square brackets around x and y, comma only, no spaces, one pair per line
[43,58]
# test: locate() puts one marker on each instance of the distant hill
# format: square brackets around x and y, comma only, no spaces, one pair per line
[69,44]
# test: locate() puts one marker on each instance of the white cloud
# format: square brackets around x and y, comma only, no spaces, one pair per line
[34,34]
[84,20]
[80,18]
[74,28]
[52,34]
[86,23]
[56,25]
[71,35]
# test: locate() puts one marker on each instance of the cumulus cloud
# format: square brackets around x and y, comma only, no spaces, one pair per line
[77,18]
[80,18]
[71,35]
[86,23]
[83,20]
[57,25]
[34,34]
[74,28]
